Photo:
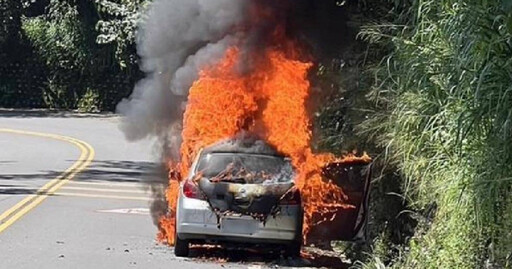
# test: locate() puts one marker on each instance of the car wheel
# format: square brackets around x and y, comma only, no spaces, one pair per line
[181,247]
[293,249]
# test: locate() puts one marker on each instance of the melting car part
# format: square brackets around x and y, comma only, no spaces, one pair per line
[244,198]
[237,177]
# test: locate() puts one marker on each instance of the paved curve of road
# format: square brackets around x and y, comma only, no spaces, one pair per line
[86,223]
[99,219]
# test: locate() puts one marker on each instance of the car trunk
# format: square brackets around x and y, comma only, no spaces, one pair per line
[250,184]
[249,199]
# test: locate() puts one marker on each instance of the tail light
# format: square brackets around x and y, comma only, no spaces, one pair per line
[191,190]
[291,198]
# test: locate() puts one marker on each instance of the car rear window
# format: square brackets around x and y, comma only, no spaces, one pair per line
[253,168]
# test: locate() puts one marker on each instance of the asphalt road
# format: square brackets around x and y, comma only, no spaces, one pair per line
[100,217]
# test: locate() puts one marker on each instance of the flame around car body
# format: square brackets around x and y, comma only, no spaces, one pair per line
[269,101]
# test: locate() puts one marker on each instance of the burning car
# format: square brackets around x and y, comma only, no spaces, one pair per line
[239,194]
[244,192]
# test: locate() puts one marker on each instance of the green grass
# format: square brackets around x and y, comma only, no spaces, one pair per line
[443,114]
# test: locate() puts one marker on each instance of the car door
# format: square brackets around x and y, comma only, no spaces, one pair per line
[347,224]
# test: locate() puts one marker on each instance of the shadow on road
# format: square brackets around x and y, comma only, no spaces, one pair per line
[114,171]
[145,173]
[45,113]
[267,257]
[124,171]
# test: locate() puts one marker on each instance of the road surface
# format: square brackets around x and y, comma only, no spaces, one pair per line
[98,217]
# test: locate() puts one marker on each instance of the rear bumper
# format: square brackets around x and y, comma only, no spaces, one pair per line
[195,221]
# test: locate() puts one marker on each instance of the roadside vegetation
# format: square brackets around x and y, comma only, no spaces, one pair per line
[425,87]
[442,116]
[68,54]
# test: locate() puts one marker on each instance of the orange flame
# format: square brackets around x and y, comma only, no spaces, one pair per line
[269,101]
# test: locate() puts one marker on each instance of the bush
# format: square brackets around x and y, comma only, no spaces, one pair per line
[443,111]
[90,102]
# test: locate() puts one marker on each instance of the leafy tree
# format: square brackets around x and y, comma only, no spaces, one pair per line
[58,36]
[10,21]
[118,26]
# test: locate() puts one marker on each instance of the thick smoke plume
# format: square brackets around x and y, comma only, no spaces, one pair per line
[176,40]
[179,37]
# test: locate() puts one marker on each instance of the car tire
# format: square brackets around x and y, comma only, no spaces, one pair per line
[181,247]
[293,250]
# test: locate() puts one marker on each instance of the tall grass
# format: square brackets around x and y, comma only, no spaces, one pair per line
[444,115]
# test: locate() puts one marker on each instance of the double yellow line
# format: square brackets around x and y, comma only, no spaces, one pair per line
[14,213]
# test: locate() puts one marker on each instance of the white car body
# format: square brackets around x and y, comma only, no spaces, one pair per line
[197,223]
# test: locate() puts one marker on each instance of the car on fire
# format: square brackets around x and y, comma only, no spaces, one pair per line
[239,195]
[242,193]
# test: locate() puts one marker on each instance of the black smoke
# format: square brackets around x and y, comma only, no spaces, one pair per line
[179,37]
